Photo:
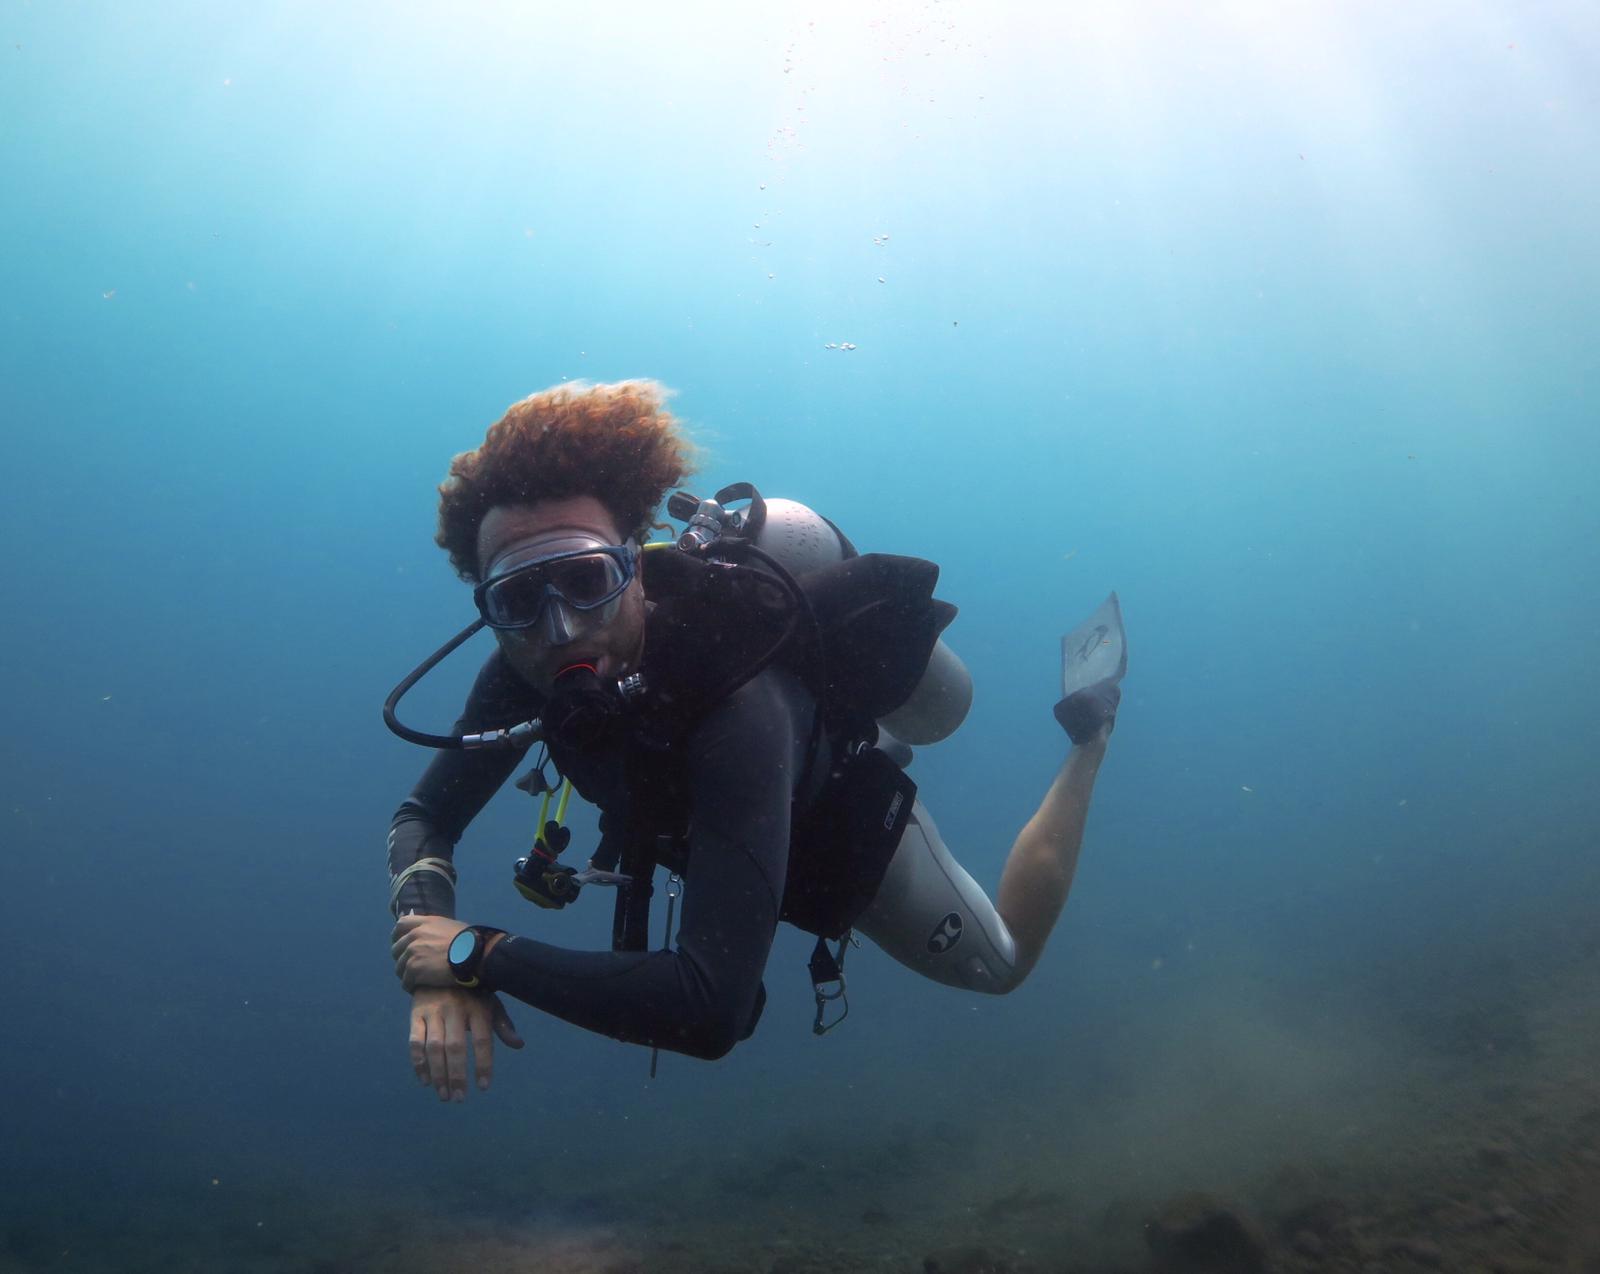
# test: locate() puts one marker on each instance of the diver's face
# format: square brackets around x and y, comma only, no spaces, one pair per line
[610,638]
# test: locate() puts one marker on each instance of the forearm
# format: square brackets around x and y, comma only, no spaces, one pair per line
[454,787]
[665,999]
[421,865]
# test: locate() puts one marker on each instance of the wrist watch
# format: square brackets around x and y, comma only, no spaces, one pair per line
[466,953]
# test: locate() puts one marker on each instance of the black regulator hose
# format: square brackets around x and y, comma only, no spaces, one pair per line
[441,741]
[802,606]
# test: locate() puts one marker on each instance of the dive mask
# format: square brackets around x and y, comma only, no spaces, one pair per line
[567,592]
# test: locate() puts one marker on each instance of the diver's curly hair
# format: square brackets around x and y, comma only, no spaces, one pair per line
[614,442]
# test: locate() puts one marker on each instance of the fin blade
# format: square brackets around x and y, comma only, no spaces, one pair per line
[1096,650]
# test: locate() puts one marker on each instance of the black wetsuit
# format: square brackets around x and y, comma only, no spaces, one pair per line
[733,776]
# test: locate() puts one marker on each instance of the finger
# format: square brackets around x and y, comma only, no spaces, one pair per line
[481,1021]
[455,1049]
[438,1073]
[402,943]
[503,1026]
[419,1041]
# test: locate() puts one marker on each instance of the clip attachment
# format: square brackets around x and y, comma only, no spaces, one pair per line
[825,966]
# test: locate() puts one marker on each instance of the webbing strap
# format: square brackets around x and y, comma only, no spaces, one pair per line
[439,866]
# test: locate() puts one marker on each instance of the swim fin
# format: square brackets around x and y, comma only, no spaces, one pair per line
[1094,657]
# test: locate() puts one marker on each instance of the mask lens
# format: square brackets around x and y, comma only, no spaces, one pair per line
[514,600]
[588,580]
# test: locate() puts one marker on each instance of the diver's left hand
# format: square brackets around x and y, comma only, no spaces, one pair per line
[420,950]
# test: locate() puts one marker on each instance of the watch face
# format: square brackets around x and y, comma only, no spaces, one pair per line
[461,946]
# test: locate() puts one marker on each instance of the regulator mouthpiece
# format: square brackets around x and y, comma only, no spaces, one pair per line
[583,709]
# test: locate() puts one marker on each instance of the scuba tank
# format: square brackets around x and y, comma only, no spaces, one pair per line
[801,541]
[938,705]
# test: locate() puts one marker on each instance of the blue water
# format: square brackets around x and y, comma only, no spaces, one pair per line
[1280,322]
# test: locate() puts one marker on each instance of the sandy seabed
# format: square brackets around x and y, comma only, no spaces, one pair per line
[1479,1152]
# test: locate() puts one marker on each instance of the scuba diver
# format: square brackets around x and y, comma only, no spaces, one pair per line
[739,705]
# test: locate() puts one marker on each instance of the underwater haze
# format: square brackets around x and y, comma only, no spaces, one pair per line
[1279,319]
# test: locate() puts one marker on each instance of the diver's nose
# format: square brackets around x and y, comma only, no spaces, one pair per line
[559,628]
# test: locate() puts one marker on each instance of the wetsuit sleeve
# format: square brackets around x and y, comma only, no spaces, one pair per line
[453,789]
[702,997]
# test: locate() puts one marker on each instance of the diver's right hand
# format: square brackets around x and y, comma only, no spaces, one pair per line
[441,1020]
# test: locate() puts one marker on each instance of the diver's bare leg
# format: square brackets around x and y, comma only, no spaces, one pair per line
[1039,870]
[934,918]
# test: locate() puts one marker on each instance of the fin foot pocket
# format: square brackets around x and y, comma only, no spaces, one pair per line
[1084,713]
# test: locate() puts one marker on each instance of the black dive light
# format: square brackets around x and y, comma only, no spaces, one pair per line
[539,877]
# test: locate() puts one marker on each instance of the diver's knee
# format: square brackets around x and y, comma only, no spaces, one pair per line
[995,976]
[1004,986]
